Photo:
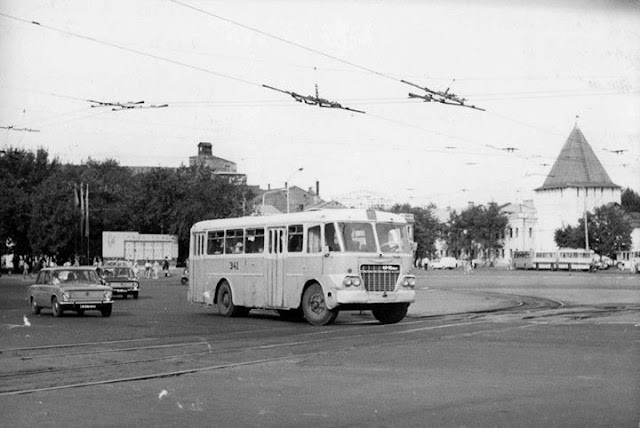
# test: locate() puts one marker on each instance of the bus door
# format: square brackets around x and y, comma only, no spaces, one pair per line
[197,268]
[275,276]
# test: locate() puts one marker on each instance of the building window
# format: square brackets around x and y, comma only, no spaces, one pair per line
[517,232]
[530,232]
[510,233]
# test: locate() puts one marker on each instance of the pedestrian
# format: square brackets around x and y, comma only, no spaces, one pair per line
[165,266]
[147,269]
[468,267]
[25,270]
[155,269]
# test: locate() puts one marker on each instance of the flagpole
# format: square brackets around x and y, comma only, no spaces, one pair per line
[81,218]
[86,206]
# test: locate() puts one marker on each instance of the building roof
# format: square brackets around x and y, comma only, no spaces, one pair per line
[577,166]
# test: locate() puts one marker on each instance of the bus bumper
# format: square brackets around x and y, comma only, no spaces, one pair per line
[335,298]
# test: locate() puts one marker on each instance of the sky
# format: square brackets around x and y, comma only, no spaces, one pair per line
[537,70]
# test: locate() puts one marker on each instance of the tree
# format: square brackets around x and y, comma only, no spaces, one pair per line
[630,201]
[426,228]
[21,172]
[609,230]
[171,201]
[476,231]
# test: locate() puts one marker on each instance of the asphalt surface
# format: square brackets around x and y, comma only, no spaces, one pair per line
[494,348]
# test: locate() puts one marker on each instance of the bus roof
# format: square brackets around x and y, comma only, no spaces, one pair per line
[319,216]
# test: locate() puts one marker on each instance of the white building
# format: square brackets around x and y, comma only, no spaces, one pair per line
[521,231]
[577,183]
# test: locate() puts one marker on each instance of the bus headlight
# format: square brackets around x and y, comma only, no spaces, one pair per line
[136,285]
[352,281]
[107,295]
[66,296]
[409,281]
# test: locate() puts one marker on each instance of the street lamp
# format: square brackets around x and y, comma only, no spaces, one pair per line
[286,185]
[265,194]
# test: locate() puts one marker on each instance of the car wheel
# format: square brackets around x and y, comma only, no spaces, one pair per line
[225,302]
[314,306]
[184,281]
[106,311]
[135,295]
[56,308]
[80,312]
[390,313]
[35,309]
[124,295]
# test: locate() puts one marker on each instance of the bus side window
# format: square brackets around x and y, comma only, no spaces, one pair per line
[295,239]
[313,240]
[215,241]
[234,241]
[254,241]
[330,237]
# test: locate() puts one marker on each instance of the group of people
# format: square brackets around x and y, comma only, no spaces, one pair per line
[152,270]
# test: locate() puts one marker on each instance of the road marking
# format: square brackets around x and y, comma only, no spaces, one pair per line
[441,326]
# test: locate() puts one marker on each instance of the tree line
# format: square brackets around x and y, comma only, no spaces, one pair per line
[40,213]
[40,216]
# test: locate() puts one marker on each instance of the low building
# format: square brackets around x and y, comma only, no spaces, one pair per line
[135,246]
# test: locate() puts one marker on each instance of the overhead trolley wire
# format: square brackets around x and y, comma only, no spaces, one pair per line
[282,39]
[126,49]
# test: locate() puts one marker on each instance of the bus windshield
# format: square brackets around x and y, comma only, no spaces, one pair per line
[359,237]
[393,238]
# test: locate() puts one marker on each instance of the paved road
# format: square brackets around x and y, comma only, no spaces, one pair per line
[495,348]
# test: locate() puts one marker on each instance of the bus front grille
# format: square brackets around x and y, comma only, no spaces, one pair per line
[380,277]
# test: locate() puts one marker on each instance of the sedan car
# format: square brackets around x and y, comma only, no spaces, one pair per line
[70,289]
[445,263]
[123,281]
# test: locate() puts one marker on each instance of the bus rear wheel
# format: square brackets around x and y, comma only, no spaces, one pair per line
[225,302]
[390,313]
[314,306]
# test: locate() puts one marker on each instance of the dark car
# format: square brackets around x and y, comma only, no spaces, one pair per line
[122,280]
[70,289]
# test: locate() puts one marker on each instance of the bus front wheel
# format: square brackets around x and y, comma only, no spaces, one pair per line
[390,313]
[225,302]
[314,306]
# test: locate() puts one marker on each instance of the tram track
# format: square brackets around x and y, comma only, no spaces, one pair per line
[32,369]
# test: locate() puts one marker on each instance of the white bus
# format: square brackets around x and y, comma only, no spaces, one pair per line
[574,259]
[309,264]
[522,260]
[564,259]
[545,260]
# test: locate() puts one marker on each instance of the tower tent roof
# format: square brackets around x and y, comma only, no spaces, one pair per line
[577,166]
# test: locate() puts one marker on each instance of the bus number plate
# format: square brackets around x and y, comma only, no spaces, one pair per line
[233,265]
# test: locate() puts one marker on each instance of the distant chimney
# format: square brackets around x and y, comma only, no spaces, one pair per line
[204,149]
[268,186]
[317,188]
[471,204]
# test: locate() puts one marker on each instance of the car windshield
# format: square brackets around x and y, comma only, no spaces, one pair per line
[393,238]
[75,276]
[122,272]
